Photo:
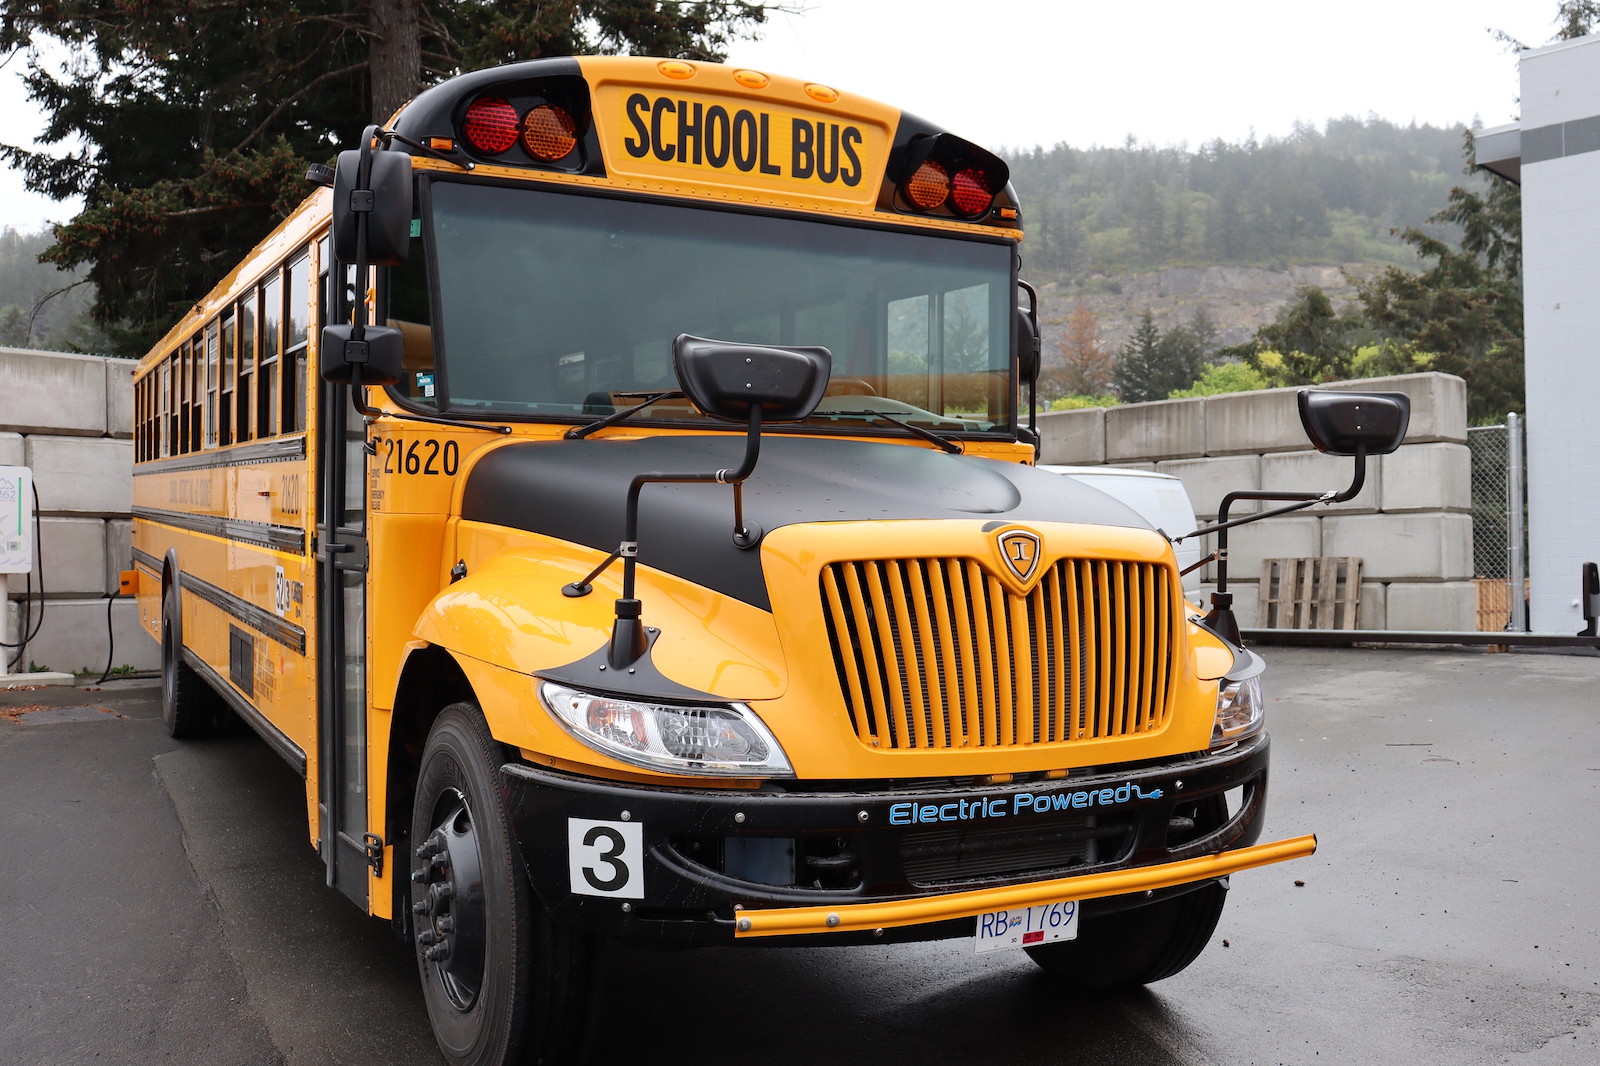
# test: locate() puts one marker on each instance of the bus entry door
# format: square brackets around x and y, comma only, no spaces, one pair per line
[342,621]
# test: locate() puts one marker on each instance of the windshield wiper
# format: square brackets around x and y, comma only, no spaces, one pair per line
[579,432]
[944,443]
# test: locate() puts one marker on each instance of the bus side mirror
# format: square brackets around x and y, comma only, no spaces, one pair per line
[726,380]
[384,197]
[376,353]
[1027,346]
[1355,423]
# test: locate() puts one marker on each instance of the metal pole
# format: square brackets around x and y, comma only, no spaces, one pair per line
[1514,495]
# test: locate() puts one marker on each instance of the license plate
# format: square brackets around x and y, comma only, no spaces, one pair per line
[1025,927]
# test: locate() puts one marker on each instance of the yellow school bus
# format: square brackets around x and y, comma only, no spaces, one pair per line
[613,492]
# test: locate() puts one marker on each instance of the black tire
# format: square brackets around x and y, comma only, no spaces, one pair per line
[1136,947]
[502,983]
[189,706]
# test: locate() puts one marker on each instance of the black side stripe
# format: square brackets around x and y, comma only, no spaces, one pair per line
[268,624]
[260,534]
[238,455]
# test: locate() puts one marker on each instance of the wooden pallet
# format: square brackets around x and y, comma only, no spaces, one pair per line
[1310,593]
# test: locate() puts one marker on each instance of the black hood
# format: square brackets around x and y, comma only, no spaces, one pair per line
[576,490]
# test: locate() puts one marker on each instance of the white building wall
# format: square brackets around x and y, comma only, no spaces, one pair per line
[1561,290]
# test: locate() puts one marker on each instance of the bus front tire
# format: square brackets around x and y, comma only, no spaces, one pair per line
[502,983]
[1136,947]
[189,707]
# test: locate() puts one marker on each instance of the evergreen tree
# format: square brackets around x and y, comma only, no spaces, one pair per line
[1310,342]
[1135,373]
[1465,307]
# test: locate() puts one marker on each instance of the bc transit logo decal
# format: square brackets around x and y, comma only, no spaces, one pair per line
[1020,803]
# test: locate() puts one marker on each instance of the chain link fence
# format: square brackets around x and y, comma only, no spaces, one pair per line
[1498,533]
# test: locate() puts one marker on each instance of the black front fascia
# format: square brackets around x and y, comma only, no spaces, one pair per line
[576,491]
[871,843]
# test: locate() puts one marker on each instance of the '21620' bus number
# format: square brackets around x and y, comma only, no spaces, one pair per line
[425,456]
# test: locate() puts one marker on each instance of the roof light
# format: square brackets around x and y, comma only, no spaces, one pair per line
[548,133]
[970,192]
[929,186]
[676,68]
[490,125]
[751,79]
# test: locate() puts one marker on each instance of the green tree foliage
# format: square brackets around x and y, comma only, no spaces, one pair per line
[1332,194]
[1307,343]
[196,118]
[1465,305]
[1153,364]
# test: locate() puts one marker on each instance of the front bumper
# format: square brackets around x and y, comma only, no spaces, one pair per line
[697,866]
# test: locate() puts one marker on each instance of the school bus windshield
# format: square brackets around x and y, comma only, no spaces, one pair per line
[556,305]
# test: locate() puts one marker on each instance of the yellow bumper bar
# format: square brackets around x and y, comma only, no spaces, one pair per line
[789,921]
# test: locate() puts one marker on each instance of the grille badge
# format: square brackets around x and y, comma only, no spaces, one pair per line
[1020,550]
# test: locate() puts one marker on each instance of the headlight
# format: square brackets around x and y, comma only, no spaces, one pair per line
[725,739]
[1240,711]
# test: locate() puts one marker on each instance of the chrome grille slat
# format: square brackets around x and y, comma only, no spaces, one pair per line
[937,654]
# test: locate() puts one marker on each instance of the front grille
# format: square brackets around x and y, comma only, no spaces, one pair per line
[937,654]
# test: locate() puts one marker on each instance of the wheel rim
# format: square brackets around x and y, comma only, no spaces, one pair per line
[448,901]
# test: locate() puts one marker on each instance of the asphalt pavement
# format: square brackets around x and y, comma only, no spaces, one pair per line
[167,906]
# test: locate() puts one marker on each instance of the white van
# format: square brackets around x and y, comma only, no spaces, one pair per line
[1160,500]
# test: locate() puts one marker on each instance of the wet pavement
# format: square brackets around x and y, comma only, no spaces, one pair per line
[166,906]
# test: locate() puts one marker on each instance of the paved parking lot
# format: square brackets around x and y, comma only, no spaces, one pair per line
[165,906]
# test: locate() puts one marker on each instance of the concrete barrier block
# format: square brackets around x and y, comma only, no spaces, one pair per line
[1373,612]
[70,555]
[12,451]
[73,636]
[1311,471]
[1207,481]
[1404,547]
[1073,437]
[119,397]
[1165,429]
[1428,477]
[1288,537]
[1450,606]
[1264,421]
[82,476]
[1438,403]
[52,392]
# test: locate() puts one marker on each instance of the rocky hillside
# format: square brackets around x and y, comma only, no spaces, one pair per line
[1238,298]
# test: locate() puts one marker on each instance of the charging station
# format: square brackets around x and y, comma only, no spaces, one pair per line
[16,536]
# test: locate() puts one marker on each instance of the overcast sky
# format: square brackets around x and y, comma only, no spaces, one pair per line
[1019,73]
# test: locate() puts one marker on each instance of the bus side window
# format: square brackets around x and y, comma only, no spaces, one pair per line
[271,347]
[247,367]
[213,347]
[299,298]
[225,405]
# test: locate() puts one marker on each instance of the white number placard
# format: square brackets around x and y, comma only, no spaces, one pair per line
[606,858]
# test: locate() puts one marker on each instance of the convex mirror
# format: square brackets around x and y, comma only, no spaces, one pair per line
[1345,423]
[725,379]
